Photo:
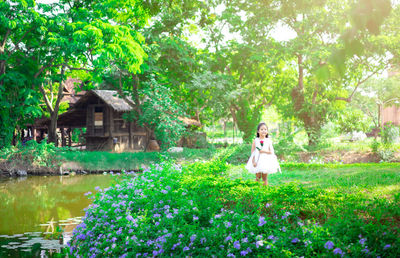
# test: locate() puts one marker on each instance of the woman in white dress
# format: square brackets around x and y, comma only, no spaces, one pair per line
[263,160]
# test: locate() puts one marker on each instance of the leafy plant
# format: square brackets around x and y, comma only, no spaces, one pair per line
[390,134]
[31,155]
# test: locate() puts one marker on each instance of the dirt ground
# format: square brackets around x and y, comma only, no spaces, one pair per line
[345,157]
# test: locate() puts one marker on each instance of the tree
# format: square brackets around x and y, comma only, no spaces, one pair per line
[20,27]
[329,66]
[96,39]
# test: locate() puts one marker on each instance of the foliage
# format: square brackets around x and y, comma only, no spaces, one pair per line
[19,28]
[352,120]
[31,155]
[161,114]
[284,144]
[386,149]
[197,211]
[390,134]
[238,154]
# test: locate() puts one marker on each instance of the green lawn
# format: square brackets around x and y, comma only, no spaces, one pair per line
[102,160]
[373,180]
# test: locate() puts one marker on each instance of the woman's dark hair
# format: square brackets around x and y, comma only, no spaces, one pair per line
[258,128]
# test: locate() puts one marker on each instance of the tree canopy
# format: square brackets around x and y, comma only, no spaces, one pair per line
[145,50]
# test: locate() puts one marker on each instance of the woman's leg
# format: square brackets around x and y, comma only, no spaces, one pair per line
[258,176]
[265,178]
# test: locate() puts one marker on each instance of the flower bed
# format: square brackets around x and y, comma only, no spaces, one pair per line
[195,211]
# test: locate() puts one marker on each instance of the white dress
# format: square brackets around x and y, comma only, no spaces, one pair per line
[266,163]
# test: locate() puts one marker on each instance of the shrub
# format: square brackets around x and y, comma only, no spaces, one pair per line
[32,154]
[238,154]
[390,134]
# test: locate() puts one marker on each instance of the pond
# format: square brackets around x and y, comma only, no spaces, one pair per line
[34,208]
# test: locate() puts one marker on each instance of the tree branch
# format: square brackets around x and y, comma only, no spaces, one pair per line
[19,41]
[349,98]
[3,44]
[46,99]
[79,69]
[60,90]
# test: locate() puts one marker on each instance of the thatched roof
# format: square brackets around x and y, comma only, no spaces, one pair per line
[112,98]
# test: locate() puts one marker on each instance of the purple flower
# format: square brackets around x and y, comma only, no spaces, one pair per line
[228,224]
[295,240]
[164,191]
[259,243]
[169,216]
[180,236]
[338,251]
[230,255]
[362,241]
[329,245]
[243,253]
[203,240]
[88,193]
[386,246]
[228,238]
[236,245]
[192,238]
[261,221]
[195,217]
[365,250]
[268,205]
[245,240]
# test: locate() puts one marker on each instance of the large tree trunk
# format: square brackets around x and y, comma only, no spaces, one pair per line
[53,129]
[312,121]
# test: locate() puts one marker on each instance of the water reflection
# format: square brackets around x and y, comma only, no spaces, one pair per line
[41,204]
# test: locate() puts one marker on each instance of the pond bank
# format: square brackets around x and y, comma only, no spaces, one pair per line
[22,172]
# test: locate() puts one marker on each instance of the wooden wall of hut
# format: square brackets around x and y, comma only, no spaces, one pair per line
[107,130]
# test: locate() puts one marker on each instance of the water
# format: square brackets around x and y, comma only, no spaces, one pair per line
[33,209]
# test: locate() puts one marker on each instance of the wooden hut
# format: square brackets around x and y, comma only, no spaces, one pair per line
[100,112]
[391,114]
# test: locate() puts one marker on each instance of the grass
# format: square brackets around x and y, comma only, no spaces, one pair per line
[363,195]
[102,160]
[381,179]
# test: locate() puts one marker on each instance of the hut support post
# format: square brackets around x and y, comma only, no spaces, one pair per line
[34,134]
[63,140]
[69,137]
[130,142]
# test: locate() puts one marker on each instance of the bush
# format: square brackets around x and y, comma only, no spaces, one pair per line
[390,134]
[193,211]
[32,154]
[238,154]
[384,151]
